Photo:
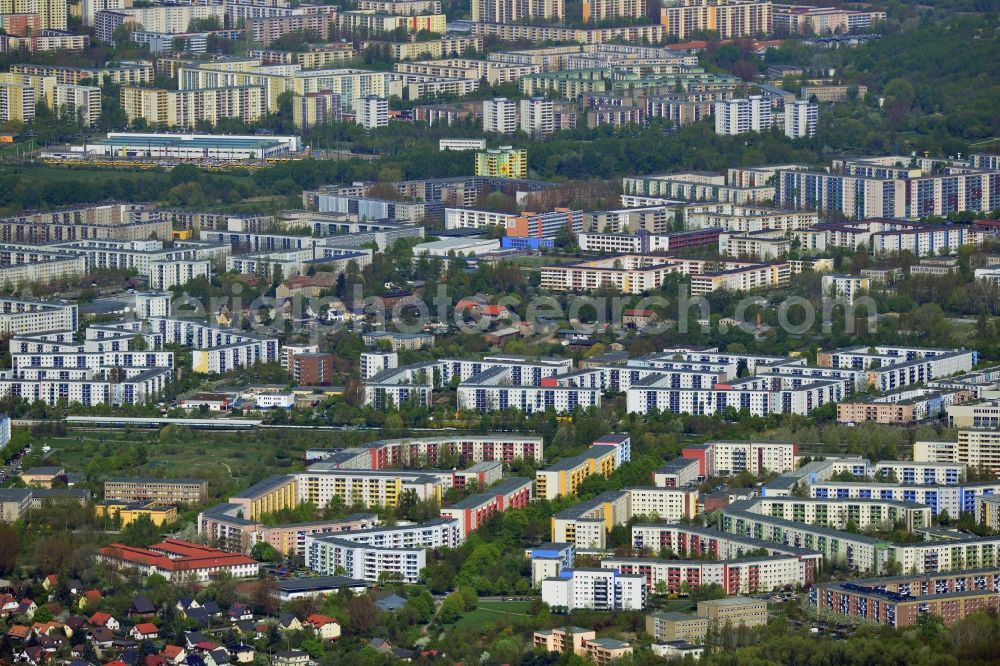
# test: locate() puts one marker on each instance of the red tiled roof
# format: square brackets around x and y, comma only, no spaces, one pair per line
[172,651]
[100,618]
[19,631]
[146,628]
[175,555]
[318,620]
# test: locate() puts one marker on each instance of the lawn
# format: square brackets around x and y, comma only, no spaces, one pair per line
[13,149]
[674,605]
[488,612]
[229,461]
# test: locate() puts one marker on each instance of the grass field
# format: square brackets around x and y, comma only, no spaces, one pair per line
[229,461]
[674,605]
[488,612]
[12,149]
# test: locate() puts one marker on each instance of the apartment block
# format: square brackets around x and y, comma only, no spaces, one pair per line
[731,458]
[124,73]
[17,102]
[373,23]
[731,19]
[709,543]
[676,473]
[52,14]
[472,512]
[23,316]
[988,511]
[401,6]
[595,589]
[801,117]
[738,576]
[514,32]
[734,611]
[371,112]
[169,19]
[806,19]
[34,43]
[503,162]
[517,11]
[870,190]
[738,116]
[226,525]
[312,369]
[974,448]
[83,102]
[587,523]
[838,513]
[159,491]
[564,477]
[398,552]
[185,108]
[314,109]
[900,601]
[606,10]
[537,116]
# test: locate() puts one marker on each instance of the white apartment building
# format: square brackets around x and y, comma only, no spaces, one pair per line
[215,350]
[747,219]
[372,112]
[676,473]
[537,116]
[88,388]
[974,448]
[500,116]
[758,396]
[588,523]
[170,18]
[746,114]
[462,144]
[21,316]
[373,363]
[761,245]
[151,304]
[164,275]
[921,473]
[953,499]
[471,218]
[731,458]
[83,102]
[845,287]
[665,503]
[595,589]
[801,117]
[735,576]
[836,513]
[368,554]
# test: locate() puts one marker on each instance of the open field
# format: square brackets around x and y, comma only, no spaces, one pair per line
[229,461]
[488,612]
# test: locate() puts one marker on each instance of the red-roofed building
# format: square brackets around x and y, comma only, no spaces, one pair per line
[178,560]
[174,654]
[325,627]
[102,619]
[19,632]
[144,630]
